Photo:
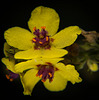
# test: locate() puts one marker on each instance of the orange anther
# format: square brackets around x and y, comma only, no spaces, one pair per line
[50,74]
[7,76]
[40,42]
[40,76]
[46,38]
[43,27]
[11,79]
[43,80]
[34,28]
[34,40]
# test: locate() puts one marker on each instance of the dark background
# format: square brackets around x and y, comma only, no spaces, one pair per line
[84,14]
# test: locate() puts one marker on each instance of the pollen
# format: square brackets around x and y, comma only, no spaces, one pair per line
[34,40]
[40,42]
[43,27]
[34,28]
[43,80]
[11,80]
[42,39]
[46,38]
[40,76]
[8,77]
[50,74]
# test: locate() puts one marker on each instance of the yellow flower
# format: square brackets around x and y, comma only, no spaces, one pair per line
[42,41]
[11,73]
[54,75]
[10,62]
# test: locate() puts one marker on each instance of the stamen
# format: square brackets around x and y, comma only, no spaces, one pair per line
[46,38]
[40,76]
[8,77]
[34,28]
[46,71]
[43,27]
[40,42]
[50,74]
[34,40]
[11,79]
[43,80]
[11,76]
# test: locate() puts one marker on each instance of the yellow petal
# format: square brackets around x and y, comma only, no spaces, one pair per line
[58,84]
[19,38]
[20,67]
[69,73]
[26,91]
[28,54]
[52,60]
[45,53]
[66,36]
[44,16]
[53,52]
[9,64]
[6,48]
[30,80]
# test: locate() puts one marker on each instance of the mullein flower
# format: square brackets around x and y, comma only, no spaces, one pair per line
[10,62]
[42,41]
[54,75]
[11,73]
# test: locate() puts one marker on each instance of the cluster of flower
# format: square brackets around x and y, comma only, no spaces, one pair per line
[37,54]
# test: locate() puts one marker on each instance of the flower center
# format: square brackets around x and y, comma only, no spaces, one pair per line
[46,71]
[42,40]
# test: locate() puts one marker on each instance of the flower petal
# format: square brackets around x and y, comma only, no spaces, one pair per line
[20,67]
[29,80]
[48,53]
[26,91]
[69,73]
[53,52]
[52,60]
[58,84]
[66,36]
[6,48]
[19,38]
[44,16]
[9,64]
[28,54]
